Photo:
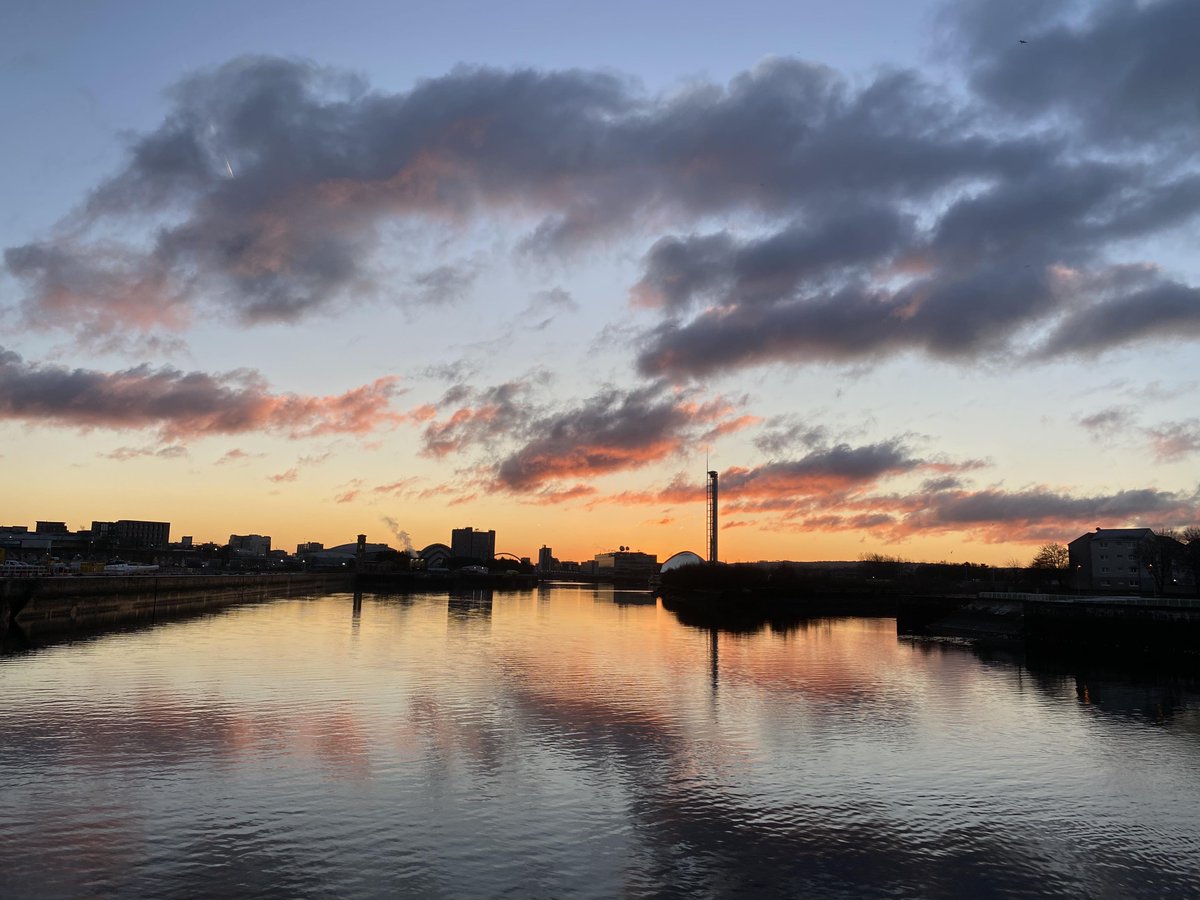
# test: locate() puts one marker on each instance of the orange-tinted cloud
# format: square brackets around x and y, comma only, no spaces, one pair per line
[614,431]
[182,405]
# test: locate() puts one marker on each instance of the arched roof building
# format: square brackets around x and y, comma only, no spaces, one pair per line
[680,559]
[436,556]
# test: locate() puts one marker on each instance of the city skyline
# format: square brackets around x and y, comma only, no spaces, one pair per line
[922,288]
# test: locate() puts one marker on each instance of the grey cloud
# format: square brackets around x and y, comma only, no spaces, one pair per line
[951,319]
[993,272]
[1126,71]
[1165,311]
[822,469]
[554,300]
[680,271]
[1038,504]
[942,483]
[443,285]
[1106,422]
[846,221]
[780,435]
[319,163]
[611,431]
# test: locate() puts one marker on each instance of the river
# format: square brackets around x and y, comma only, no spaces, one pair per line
[582,742]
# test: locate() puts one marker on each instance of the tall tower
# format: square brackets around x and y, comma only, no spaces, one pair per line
[712,516]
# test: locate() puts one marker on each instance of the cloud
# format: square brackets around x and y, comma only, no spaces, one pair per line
[321,164]
[793,215]
[553,495]
[828,469]
[1011,270]
[1120,71]
[480,417]
[555,300]
[1175,440]
[1163,311]
[1039,511]
[680,272]
[314,459]
[781,434]
[182,405]
[1108,422]
[124,454]
[443,286]
[612,431]
[350,491]
[285,477]
[992,514]
[397,488]
[235,455]
[844,487]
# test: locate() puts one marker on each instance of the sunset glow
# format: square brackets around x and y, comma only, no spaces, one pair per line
[926,291]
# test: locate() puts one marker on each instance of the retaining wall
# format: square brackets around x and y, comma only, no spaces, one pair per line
[37,607]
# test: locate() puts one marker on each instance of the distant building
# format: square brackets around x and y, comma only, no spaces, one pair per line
[626,564]
[469,543]
[1111,559]
[309,547]
[546,561]
[346,554]
[436,556]
[52,528]
[250,544]
[138,534]
[681,559]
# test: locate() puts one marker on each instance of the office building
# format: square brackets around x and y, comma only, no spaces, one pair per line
[470,543]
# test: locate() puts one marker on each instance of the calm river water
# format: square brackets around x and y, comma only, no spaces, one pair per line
[581,742]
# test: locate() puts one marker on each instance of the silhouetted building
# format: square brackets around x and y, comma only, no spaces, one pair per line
[626,564]
[250,544]
[139,534]
[52,528]
[545,560]
[309,547]
[681,559]
[436,556]
[1111,559]
[469,543]
[345,554]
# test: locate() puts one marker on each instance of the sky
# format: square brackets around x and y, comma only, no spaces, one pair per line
[916,279]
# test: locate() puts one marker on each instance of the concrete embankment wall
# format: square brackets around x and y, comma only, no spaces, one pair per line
[1063,621]
[38,607]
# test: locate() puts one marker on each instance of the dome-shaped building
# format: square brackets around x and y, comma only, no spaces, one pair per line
[681,559]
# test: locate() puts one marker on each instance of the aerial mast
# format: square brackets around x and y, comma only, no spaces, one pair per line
[712,516]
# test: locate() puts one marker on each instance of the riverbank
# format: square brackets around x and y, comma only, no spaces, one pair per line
[1061,622]
[32,608]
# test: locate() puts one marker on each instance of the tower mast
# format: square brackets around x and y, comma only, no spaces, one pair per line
[712,516]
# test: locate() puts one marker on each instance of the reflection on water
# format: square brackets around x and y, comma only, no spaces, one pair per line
[580,742]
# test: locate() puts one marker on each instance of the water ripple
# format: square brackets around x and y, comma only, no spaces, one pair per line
[570,743]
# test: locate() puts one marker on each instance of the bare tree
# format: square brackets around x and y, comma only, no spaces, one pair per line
[1051,556]
[1190,537]
[1159,554]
